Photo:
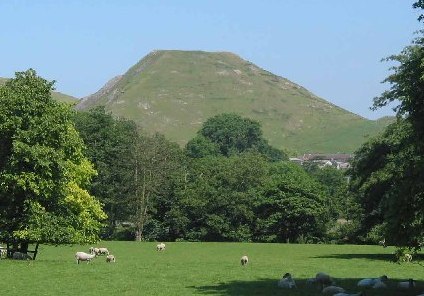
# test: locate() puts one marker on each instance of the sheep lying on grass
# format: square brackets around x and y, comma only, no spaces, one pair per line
[331,290]
[21,256]
[376,283]
[160,247]
[406,285]
[82,256]
[244,260]
[287,282]
[110,258]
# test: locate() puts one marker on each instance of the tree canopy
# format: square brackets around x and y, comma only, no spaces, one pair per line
[387,173]
[43,171]
[228,134]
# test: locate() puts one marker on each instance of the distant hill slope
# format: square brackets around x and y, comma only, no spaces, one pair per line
[56,95]
[174,92]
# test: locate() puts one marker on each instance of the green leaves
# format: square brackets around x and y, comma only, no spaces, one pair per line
[43,171]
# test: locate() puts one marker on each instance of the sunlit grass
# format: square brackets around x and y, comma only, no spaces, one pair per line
[202,268]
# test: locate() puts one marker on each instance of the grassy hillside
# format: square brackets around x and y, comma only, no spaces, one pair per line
[174,92]
[204,269]
[56,95]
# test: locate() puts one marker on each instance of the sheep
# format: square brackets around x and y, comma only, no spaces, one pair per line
[373,282]
[160,247]
[331,290]
[110,258]
[82,256]
[244,260]
[21,256]
[287,282]
[406,285]
[103,251]
[379,285]
[323,279]
[94,251]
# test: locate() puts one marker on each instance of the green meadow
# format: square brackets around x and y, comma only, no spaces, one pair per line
[204,269]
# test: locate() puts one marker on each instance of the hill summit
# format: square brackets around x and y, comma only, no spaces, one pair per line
[173,92]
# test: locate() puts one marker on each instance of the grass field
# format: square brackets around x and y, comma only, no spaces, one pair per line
[203,269]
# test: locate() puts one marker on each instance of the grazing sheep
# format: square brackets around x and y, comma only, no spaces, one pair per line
[373,282]
[110,258]
[160,247]
[287,282]
[82,256]
[94,251]
[21,256]
[331,290]
[244,260]
[406,285]
[103,251]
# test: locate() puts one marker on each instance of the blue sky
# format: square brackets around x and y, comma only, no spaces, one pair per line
[332,47]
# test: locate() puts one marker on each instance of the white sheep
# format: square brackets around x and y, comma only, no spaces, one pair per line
[160,247]
[103,251]
[373,282]
[244,260]
[21,256]
[287,282]
[406,285]
[331,290]
[82,256]
[94,250]
[110,258]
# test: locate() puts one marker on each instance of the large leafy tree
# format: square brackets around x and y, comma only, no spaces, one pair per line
[156,162]
[215,199]
[228,134]
[388,171]
[293,205]
[111,148]
[43,171]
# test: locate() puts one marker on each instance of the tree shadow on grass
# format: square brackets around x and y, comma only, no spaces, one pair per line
[268,286]
[383,257]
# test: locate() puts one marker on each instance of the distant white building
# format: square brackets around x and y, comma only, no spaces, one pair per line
[338,160]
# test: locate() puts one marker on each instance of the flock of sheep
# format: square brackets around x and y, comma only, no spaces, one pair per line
[328,286]
[94,252]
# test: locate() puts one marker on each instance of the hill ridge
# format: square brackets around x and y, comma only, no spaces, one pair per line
[174,91]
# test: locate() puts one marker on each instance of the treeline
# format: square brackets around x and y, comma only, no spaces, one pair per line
[227,184]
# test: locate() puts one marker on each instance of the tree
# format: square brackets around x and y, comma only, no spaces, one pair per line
[229,134]
[111,148]
[215,200]
[156,160]
[293,205]
[392,180]
[43,171]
